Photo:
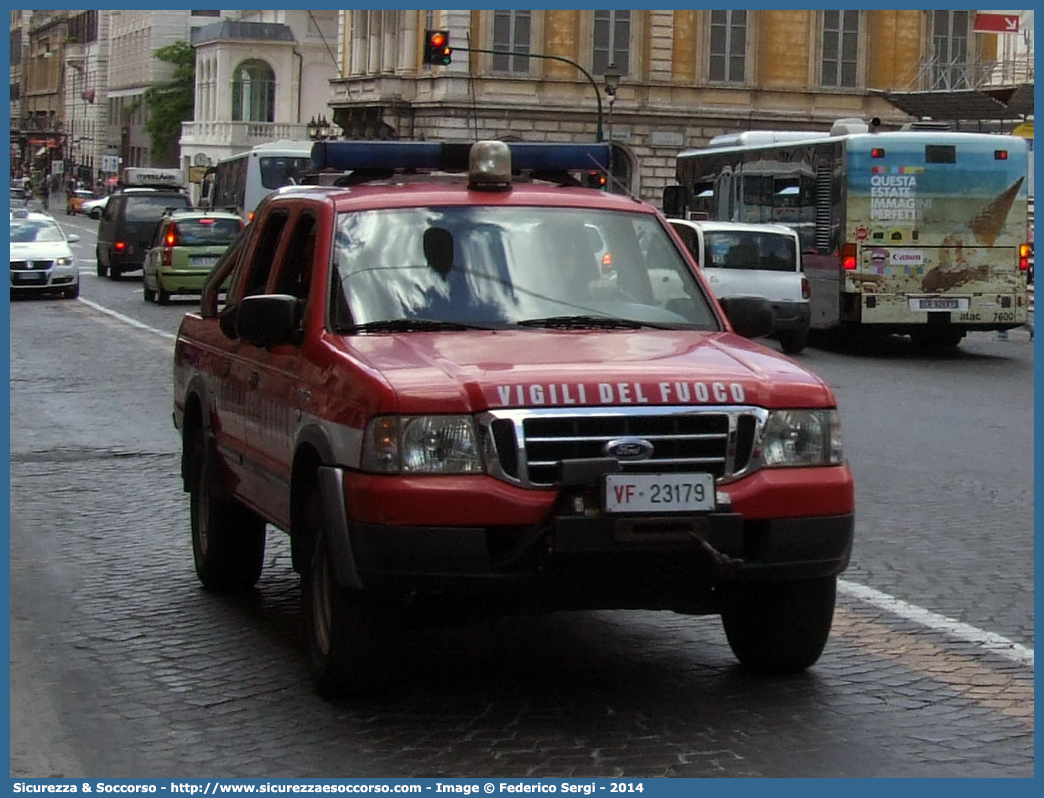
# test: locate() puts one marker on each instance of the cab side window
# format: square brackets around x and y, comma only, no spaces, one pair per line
[112,208]
[298,260]
[259,265]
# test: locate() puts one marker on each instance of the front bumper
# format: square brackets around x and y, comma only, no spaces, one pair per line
[572,559]
[56,278]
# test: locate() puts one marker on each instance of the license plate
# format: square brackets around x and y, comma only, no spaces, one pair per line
[939,303]
[29,277]
[204,263]
[659,493]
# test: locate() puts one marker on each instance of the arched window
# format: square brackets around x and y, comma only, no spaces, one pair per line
[253,92]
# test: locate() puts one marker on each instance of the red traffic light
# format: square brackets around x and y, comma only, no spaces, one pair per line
[436,48]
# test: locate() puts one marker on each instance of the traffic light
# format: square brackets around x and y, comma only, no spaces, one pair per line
[436,48]
[596,180]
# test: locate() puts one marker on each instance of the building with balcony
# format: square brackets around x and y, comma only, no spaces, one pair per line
[260,77]
[86,98]
[38,40]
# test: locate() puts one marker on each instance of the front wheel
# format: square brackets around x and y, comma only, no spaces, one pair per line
[779,627]
[347,629]
[228,540]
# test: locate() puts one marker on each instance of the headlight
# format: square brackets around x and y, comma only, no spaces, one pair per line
[422,445]
[64,261]
[801,438]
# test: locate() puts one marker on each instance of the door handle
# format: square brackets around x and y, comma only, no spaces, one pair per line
[254,379]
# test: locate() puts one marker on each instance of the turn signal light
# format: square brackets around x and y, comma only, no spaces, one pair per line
[1024,255]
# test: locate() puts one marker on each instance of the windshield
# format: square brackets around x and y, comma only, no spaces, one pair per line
[205,232]
[149,208]
[748,250]
[25,231]
[283,170]
[502,266]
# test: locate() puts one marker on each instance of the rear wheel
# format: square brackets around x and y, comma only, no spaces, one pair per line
[147,293]
[163,297]
[228,540]
[928,339]
[347,629]
[793,341]
[779,627]
[99,266]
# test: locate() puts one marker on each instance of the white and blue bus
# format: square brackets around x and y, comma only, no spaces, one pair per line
[241,181]
[913,232]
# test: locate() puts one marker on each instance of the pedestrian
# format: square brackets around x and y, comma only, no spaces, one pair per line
[45,196]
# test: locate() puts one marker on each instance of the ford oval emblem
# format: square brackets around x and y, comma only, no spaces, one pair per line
[629,449]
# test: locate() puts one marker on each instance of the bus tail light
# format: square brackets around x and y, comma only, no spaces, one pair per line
[848,256]
[1024,256]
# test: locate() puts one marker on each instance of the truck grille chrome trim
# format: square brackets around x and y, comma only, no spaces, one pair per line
[526,446]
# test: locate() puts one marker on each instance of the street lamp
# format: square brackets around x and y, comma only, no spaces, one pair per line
[320,129]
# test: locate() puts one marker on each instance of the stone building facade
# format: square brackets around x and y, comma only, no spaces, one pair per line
[685,75]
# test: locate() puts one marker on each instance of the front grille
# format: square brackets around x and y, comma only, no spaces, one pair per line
[31,265]
[529,445]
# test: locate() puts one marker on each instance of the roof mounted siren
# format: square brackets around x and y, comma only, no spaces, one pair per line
[852,125]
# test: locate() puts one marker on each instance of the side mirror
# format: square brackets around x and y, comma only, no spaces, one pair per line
[750,316]
[72,238]
[268,320]
[227,319]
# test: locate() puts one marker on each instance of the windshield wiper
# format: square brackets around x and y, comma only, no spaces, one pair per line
[584,323]
[417,325]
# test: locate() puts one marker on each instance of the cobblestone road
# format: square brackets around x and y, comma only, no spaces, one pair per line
[130,669]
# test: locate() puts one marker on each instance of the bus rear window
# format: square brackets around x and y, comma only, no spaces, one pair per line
[940,153]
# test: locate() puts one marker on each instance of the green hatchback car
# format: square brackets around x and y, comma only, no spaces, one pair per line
[184,248]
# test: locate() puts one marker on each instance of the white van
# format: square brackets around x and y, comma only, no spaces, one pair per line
[755,260]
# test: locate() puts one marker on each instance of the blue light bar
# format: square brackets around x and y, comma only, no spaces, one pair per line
[453,156]
[345,155]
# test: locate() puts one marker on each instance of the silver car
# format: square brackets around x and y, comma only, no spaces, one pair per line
[41,259]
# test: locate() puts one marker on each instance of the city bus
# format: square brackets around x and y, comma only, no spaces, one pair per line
[918,232]
[241,181]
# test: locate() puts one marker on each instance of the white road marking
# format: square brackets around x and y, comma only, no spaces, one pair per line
[994,643]
[127,319]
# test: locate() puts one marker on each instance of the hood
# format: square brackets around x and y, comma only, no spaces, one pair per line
[40,249]
[475,371]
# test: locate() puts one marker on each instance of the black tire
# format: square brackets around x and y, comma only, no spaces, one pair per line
[114,273]
[99,267]
[163,297]
[779,627]
[794,341]
[72,293]
[95,213]
[228,540]
[933,340]
[147,294]
[347,629]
